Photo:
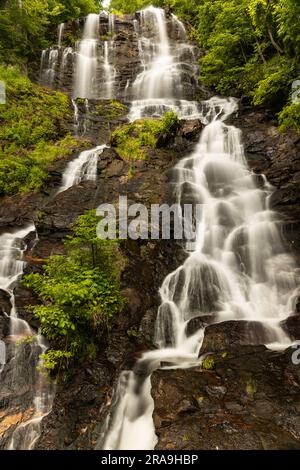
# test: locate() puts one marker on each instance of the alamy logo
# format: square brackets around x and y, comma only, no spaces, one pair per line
[179,222]
[296,92]
[2,355]
[296,354]
[2,93]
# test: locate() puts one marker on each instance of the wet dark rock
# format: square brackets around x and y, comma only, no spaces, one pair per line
[231,334]
[190,130]
[198,323]
[4,326]
[5,303]
[292,326]
[248,401]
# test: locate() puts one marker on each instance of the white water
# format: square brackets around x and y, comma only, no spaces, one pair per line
[158,87]
[237,267]
[109,70]
[155,81]
[49,67]
[49,64]
[86,59]
[82,168]
[61,29]
[11,269]
[158,107]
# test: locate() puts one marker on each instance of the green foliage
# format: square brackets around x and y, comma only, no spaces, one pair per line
[54,357]
[32,133]
[132,140]
[289,117]
[111,110]
[273,88]
[80,293]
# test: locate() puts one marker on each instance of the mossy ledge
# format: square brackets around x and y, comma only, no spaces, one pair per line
[132,140]
[33,133]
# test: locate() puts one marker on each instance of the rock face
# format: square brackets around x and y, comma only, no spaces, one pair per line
[249,399]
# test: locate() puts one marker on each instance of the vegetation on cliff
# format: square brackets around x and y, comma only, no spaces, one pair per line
[252,47]
[80,294]
[131,140]
[32,132]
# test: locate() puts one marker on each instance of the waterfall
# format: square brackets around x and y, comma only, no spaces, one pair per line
[12,266]
[159,86]
[109,70]
[165,80]
[86,59]
[49,66]
[236,269]
[50,60]
[82,168]
[155,81]
[61,28]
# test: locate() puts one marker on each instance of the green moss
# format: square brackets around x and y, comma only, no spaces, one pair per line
[131,172]
[110,110]
[289,118]
[208,363]
[132,140]
[32,132]
[80,101]
[251,388]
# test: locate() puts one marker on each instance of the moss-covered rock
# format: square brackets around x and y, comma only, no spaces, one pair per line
[33,132]
[132,140]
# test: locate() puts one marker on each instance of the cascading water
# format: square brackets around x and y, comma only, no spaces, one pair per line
[237,268]
[109,70]
[49,63]
[163,69]
[12,266]
[50,60]
[168,67]
[82,168]
[86,59]
[61,29]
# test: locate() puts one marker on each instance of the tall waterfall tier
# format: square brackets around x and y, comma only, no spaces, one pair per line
[130,57]
[237,269]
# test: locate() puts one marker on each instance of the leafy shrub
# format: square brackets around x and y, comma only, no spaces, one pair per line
[289,117]
[80,293]
[273,88]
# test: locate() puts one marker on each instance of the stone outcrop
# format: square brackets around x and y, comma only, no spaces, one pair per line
[248,399]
